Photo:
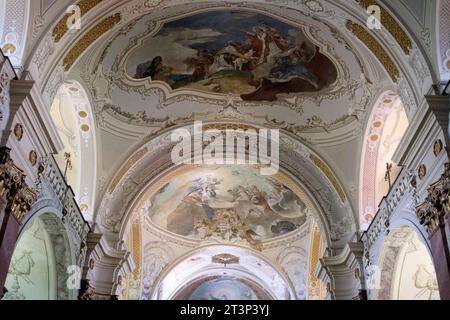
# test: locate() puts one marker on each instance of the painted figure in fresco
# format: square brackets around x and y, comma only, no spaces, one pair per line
[154,69]
[256,57]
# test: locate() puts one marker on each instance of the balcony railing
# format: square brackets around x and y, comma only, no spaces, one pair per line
[401,187]
[53,181]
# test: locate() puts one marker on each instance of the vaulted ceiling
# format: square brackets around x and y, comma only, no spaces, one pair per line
[155,65]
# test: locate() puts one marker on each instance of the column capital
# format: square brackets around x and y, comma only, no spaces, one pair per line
[432,211]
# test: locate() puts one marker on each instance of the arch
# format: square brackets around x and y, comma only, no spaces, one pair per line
[206,261]
[40,261]
[385,128]
[72,114]
[406,270]
[303,166]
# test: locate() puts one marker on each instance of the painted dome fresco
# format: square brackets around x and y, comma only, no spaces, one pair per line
[228,202]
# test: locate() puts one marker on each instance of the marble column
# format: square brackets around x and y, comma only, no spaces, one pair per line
[432,215]
[16,200]
[8,237]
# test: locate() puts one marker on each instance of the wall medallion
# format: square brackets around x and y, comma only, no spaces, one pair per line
[33,157]
[422,171]
[18,131]
[91,264]
[438,146]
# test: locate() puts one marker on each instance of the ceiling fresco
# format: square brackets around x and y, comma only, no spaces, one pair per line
[229,202]
[250,63]
[248,54]
[226,288]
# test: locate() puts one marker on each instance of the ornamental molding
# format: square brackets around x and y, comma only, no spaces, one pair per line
[45,52]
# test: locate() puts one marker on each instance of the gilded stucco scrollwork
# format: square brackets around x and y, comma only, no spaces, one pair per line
[61,27]
[93,34]
[362,34]
[19,196]
[389,22]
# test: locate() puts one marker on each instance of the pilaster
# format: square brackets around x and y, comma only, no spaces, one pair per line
[346,273]
[106,263]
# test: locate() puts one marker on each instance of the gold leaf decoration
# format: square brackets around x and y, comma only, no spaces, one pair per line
[373,45]
[93,34]
[137,244]
[130,163]
[61,27]
[330,176]
[391,25]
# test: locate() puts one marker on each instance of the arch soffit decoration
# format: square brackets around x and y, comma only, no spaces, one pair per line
[403,218]
[375,131]
[52,77]
[86,147]
[44,207]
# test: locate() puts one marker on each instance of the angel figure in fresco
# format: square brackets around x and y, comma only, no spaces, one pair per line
[259,199]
